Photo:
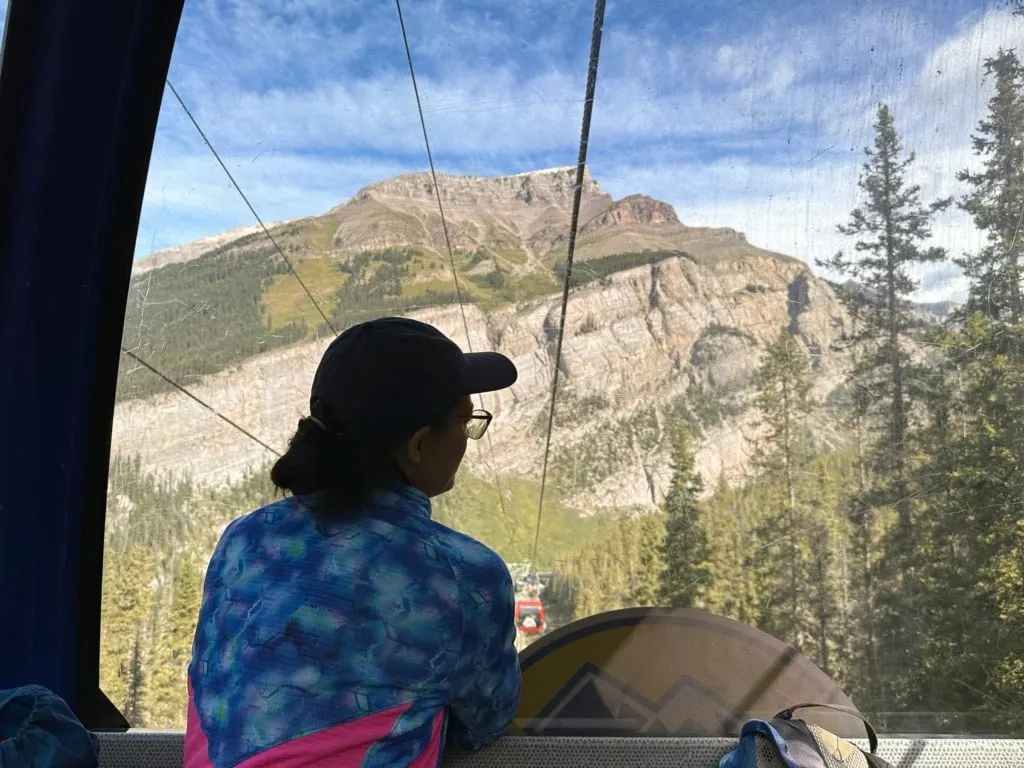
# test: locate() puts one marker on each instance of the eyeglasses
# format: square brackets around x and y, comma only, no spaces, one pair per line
[477,424]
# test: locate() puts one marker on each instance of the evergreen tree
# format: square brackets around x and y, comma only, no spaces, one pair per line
[859,508]
[784,384]
[784,400]
[970,547]
[1008,684]
[579,586]
[822,594]
[685,551]
[645,581]
[891,226]
[134,707]
[172,651]
[749,573]
[969,550]
[990,359]
[996,198]
[127,603]
[733,587]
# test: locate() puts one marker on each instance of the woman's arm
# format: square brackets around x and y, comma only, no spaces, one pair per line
[485,690]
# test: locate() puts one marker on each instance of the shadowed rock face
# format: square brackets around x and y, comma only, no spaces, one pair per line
[686,330]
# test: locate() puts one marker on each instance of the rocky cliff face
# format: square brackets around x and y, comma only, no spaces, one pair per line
[642,346]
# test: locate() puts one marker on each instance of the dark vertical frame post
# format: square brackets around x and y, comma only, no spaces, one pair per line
[80,91]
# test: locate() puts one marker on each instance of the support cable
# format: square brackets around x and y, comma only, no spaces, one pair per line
[588,106]
[249,205]
[207,406]
[447,238]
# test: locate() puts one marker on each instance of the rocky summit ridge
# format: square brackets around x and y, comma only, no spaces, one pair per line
[525,210]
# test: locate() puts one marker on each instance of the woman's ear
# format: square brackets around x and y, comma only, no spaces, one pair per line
[413,449]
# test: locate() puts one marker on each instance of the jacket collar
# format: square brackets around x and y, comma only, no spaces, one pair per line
[402,498]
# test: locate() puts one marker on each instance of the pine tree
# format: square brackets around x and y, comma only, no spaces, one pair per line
[969,546]
[645,581]
[127,603]
[784,400]
[1007,684]
[891,226]
[982,514]
[134,708]
[618,570]
[997,196]
[822,597]
[731,519]
[859,508]
[172,651]
[684,579]
[969,550]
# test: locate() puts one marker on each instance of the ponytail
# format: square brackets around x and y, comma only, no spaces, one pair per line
[321,460]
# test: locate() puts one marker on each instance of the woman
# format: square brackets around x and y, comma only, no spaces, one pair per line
[341,625]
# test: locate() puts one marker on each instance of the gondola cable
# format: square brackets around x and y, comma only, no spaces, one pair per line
[447,238]
[249,205]
[159,374]
[588,105]
[433,172]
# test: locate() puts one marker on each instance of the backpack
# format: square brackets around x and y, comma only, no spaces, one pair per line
[786,742]
[39,730]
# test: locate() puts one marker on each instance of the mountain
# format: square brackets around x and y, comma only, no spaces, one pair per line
[928,312]
[665,322]
[182,253]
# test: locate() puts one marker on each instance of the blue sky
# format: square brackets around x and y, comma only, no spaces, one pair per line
[746,114]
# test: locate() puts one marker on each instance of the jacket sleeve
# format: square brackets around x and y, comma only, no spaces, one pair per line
[485,690]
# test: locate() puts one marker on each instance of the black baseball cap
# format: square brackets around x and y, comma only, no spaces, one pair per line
[386,378]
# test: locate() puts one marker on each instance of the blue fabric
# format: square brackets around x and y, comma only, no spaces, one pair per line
[80,99]
[744,756]
[42,732]
[301,631]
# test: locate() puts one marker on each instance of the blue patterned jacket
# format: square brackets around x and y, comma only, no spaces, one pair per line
[371,645]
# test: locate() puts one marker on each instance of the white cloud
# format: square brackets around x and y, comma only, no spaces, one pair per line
[734,63]
[647,91]
[762,130]
[793,209]
[187,194]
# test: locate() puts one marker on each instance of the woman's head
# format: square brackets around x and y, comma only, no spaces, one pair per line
[390,402]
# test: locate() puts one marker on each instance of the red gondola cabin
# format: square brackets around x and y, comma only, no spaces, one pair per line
[530,616]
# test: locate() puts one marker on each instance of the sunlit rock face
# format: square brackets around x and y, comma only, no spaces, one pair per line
[643,344]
